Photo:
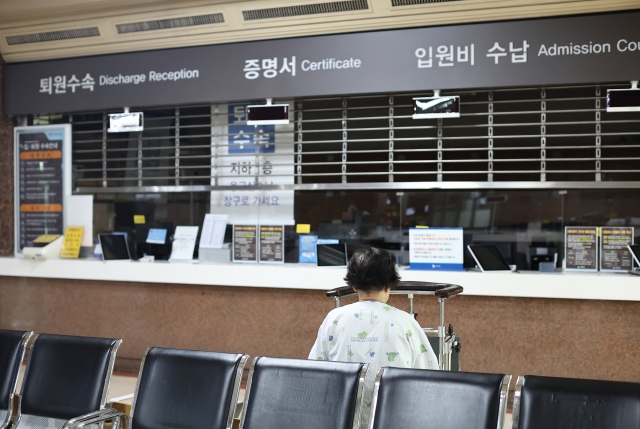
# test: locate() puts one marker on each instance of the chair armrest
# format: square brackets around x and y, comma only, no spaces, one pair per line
[95,417]
[449,291]
[340,292]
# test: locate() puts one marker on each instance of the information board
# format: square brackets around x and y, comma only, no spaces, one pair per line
[614,254]
[245,248]
[439,249]
[581,248]
[42,181]
[272,244]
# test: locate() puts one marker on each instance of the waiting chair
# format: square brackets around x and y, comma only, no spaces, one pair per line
[563,403]
[420,398]
[295,394]
[12,347]
[180,389]
[66,377]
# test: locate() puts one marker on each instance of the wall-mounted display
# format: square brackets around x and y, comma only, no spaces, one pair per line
[614,252]
[581,248]
[42,181]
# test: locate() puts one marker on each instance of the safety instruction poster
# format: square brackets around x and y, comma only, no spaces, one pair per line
[272,244]
[40,191]
[245,243]
[581,248]
[614,255]
[439,249]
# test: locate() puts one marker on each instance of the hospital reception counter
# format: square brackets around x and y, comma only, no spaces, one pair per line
[580,325]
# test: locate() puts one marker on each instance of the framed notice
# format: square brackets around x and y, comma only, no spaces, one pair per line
[438,249]
[581,248]
[42,181]
[245,243]
[614,254]
[271,244]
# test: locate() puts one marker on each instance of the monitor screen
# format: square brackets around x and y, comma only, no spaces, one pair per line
[332,255]
[489,258]
[635,252]
[157,236]
[114,246]
[268,114]
[436,107]
[623,100]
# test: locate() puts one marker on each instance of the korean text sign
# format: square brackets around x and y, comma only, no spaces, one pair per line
[438,249]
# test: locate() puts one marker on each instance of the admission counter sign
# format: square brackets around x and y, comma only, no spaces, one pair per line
[438,249]
[614,255]
[532,52]
[581,248]
[43,181]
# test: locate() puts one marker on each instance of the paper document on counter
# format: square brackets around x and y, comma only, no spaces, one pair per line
[213,231]
[184,242]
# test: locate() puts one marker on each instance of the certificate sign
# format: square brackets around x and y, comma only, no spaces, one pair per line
[581,248]
[272,244]
[245,243]
[614,255]
[184,242]
[72,241]
[438,249]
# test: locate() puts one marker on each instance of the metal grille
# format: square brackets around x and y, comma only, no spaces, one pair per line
[528,138]
[412,2]
[52,36]
[163,24]
[305,9]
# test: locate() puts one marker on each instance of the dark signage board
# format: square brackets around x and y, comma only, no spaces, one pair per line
[581,248]
[41,182]
[566,50]
[614,254]
[245,243]
[272,244]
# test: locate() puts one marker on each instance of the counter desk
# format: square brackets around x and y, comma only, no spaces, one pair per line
[567,324]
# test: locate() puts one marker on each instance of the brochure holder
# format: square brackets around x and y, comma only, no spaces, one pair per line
[222,255]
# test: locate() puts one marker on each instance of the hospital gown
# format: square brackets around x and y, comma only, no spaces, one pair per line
[375,333]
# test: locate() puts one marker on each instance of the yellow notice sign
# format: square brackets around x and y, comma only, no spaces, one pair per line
[71,243]
[46,238]
[139,219]
[303,228]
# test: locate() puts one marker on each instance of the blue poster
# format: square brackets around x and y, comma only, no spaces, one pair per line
[308,245]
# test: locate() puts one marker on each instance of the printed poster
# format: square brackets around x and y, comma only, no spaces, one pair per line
[438,249]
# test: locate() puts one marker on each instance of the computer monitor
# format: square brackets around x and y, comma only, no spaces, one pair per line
[488,258]
[157,236]
[332,255]
[114,247]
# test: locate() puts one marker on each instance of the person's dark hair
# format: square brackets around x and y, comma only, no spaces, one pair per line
[372,270]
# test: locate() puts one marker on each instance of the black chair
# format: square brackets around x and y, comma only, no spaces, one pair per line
[561,403]
[66,377]
[420,398]
[181,389]
[12,347]
[295,394]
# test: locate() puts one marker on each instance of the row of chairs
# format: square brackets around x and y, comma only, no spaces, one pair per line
[67,378]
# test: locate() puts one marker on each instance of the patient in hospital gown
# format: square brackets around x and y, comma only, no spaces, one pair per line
[369,330]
